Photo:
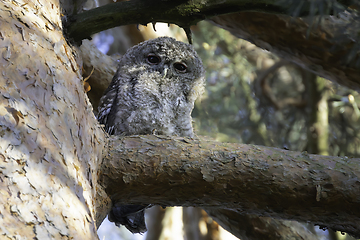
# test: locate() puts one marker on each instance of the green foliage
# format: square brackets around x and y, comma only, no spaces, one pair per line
[235,107]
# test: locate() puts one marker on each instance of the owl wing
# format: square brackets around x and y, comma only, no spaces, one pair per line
[131,216]
[106,107]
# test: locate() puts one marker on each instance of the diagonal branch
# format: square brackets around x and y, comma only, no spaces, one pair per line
[184,13]
[181,12]
[251,179]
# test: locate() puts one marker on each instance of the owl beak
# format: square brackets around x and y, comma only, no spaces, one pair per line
[166,68]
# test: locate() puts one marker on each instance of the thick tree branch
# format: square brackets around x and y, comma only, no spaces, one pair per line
[184,13]
[248,179]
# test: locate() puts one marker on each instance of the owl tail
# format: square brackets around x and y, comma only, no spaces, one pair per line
[131,216]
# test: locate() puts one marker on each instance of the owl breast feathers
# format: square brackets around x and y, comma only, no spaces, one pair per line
[153,90]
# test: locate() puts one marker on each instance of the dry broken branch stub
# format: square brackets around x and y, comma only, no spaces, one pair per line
[249,179]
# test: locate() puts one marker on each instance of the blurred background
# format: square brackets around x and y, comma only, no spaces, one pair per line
[251,97]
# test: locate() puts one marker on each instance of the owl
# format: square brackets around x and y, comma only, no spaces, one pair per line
[152,92]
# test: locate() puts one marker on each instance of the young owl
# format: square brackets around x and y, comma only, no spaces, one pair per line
[152,92]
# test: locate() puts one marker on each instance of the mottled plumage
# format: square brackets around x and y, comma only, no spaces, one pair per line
[152,92]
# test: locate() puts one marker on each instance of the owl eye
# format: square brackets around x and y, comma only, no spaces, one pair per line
[153,59]
[181,67]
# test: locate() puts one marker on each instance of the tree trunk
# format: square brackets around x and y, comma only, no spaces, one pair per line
[198,225]
[155,225]
[318,125]
[51,143]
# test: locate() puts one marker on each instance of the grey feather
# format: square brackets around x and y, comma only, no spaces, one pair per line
[153,91]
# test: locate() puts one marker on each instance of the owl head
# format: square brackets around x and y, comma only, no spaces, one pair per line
[154,89]
[166,62]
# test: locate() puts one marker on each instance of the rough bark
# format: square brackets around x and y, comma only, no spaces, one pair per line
[248,179]
[50,141]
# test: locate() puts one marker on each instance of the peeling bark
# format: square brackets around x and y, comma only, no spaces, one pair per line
[50,140]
